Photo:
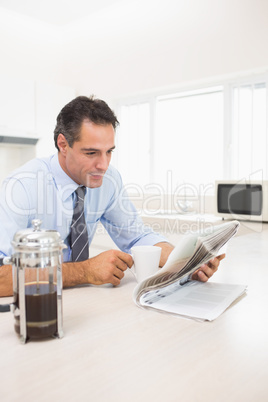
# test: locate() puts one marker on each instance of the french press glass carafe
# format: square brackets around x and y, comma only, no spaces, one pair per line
[37,283]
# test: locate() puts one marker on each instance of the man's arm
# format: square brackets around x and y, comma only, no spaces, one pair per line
[107,267]
[6,282]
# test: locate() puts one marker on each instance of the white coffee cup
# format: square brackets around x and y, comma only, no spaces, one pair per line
[146,261]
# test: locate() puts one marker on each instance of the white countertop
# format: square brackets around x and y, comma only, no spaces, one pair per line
[114,351]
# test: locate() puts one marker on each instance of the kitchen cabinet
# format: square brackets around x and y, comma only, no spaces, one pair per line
[17,107]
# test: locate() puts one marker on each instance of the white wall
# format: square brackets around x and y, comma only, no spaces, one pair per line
[138,45]
[50,98]
[30,71]
[29,49]
[153,43]
[131,47]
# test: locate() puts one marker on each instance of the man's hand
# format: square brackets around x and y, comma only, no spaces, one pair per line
[167,248]
[107,267]
[207,270]
[201,274]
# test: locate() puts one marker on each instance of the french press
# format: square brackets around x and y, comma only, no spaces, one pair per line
[37,282]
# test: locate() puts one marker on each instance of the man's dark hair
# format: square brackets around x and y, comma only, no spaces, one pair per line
[82,108]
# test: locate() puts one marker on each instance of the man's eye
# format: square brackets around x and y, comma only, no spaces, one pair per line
[90,153]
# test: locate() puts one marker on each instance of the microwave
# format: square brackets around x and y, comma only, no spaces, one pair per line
[246,200]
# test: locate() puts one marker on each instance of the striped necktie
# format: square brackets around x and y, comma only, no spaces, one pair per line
[78,235]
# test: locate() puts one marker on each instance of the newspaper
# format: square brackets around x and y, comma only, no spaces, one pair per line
[171,288]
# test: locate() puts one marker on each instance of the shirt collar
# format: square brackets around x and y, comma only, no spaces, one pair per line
[64,183]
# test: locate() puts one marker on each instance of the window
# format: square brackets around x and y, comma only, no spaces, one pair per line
[249,131]
[193,138]
[133,137]
[189,138]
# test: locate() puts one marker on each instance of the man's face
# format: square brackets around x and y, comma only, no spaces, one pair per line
[88,159]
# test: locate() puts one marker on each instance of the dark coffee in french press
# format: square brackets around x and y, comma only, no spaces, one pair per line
[37,283]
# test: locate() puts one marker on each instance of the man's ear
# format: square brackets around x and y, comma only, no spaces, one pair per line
[62,144]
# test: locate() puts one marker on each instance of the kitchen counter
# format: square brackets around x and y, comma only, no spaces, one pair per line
[114,351]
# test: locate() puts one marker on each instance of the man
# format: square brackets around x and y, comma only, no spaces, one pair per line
[45,189]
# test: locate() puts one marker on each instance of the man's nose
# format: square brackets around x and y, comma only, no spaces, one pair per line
[103,162]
